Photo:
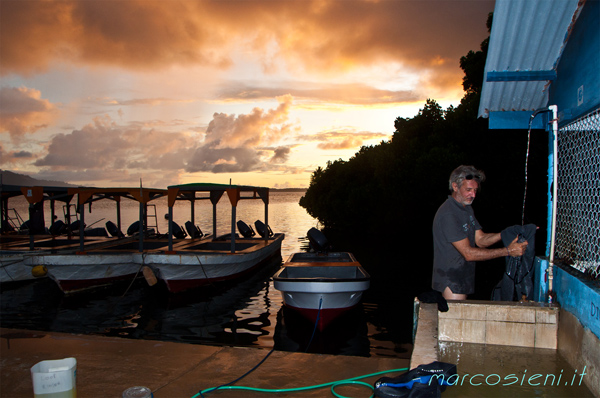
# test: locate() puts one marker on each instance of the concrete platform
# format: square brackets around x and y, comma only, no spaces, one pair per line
[106,366]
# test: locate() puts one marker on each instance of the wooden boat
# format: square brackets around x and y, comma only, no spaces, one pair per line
[210,261]
[179,263]
[321,286]
[21,239]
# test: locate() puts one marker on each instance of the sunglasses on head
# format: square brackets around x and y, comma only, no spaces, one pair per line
[471,176]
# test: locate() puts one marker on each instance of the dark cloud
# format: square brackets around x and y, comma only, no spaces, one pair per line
[15,156]
[281,154]
[223,160]
[23,155]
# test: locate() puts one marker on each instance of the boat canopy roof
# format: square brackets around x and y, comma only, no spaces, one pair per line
[37,194]
[215,191]
[139,194]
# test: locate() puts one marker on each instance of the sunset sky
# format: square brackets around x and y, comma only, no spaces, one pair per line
[105,92]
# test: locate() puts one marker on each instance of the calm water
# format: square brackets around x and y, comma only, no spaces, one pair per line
[245,313]
[487,370]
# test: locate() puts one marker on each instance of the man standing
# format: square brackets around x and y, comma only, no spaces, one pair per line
[458,240]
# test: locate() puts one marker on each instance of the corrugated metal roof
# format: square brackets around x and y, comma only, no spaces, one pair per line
[527,35]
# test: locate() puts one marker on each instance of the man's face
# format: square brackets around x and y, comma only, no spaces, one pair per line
[466,193]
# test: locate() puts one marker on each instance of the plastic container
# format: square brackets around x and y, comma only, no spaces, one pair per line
[55,378]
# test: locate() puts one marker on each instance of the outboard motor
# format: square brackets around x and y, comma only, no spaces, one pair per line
[318,241]
[245,229]
[263,229]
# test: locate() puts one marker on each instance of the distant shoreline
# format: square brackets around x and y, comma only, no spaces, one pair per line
[10,178]
[289,189]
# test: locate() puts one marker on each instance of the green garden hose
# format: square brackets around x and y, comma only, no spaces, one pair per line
[333,385]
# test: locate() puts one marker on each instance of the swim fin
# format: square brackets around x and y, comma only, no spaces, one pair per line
[424,381]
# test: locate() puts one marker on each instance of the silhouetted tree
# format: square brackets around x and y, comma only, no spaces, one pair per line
[390,192]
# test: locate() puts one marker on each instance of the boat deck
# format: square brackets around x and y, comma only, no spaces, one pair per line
[176,369]
[20,244]
[183,246]
[329,259]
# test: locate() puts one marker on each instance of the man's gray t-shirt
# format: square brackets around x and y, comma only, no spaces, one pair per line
[453,222]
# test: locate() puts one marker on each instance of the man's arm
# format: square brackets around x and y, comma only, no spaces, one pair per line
[470,253]
[483,239]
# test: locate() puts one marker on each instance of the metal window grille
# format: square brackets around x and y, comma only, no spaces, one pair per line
[578,205]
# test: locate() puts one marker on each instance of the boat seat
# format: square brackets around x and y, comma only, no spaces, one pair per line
[58,227]
[100,231]
[245,229]
[264,230]
[133,228]
[75,226]
[113,230]
[178,232]
[193,230]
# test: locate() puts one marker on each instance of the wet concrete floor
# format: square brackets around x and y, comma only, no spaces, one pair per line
[106,366]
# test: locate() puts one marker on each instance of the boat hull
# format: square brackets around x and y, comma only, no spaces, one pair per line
[321,288]
[13,269]
[186,271]
[179,271]
[77,272]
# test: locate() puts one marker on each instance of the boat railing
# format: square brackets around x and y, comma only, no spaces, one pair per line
[15,221]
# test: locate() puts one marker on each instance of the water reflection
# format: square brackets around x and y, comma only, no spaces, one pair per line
[246,312]
[347,335]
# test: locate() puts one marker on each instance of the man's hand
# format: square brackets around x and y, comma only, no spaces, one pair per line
[516,249]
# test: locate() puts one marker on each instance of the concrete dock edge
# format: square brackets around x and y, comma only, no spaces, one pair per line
[106,366]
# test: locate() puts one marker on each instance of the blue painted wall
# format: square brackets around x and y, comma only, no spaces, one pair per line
[578,296]
[576,90]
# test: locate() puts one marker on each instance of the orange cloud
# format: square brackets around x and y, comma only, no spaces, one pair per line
[317,36]
[346,143]
[342,139]
[354,94]
[23,111]
[105,150]
[233,142]
[258,127]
